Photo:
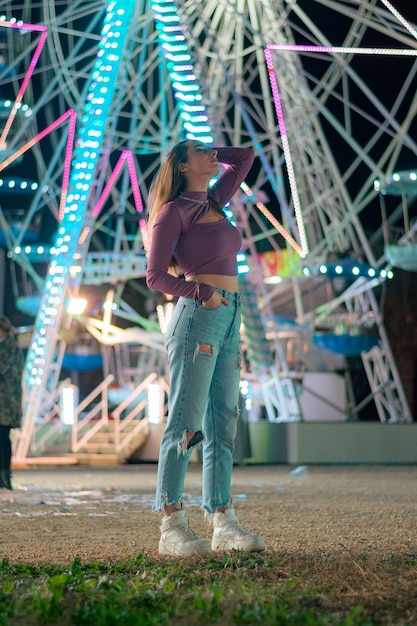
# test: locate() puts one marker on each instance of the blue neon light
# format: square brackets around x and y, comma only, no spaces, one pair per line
[84,163]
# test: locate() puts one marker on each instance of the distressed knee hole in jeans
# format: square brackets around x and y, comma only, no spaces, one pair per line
[189,439]
[202,348]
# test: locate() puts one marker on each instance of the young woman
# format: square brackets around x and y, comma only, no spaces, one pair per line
[193,256]
[11,368]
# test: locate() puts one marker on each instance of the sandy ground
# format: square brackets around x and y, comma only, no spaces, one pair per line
[104,514]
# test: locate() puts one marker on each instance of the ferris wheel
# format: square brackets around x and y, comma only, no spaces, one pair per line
[303,83]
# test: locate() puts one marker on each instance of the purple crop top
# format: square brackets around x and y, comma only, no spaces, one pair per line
[205,248]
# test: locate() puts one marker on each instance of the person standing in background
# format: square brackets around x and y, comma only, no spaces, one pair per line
[193,248]
[11,368]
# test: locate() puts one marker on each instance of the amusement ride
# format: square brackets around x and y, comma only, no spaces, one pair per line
[94,93]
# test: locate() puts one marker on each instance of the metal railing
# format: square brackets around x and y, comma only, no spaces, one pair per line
[97,416]
[123,418]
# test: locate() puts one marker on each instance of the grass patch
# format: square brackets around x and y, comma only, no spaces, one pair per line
[233,589]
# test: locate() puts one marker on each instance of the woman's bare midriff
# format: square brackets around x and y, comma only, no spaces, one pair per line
[228,283]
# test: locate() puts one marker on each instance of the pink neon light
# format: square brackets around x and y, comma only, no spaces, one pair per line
[37,137]
[112,178]
[67,166]
[278,226]
[286,148]
[83,235]
[280,112]
[23,86]
[128,157]
[145,235]
[135,183]
[23,26]
[275,93]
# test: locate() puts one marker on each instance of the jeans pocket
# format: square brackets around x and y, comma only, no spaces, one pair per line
[174,321]
[200,305]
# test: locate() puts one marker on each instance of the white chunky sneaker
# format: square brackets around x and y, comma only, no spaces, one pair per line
[228,534]
[178,539]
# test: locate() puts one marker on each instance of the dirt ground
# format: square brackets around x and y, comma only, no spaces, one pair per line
[55,514]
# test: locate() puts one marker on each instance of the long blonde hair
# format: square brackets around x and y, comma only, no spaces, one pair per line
[167,184]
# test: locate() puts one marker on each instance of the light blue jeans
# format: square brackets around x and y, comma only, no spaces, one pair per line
[204,396]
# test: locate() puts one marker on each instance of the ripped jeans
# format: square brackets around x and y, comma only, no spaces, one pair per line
[203,347]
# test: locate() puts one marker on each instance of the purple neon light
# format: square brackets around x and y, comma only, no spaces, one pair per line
[134,181]
[28,75]
[67,165]
[143,227]
[128,157]
[280,112]
[23,26]
[37,138]
[112,178]
[287,151]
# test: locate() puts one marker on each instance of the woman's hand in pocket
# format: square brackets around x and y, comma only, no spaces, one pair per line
[215,301]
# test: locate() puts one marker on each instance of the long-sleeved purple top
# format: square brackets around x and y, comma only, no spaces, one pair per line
[198,248]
